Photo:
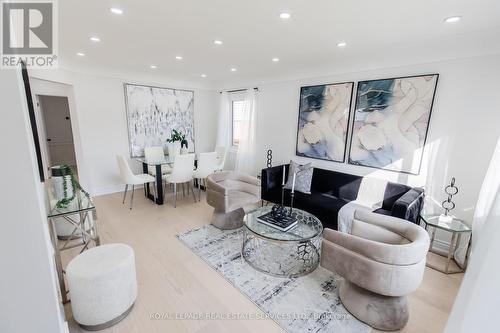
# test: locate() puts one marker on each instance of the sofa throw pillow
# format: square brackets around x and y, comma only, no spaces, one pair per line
[303,177]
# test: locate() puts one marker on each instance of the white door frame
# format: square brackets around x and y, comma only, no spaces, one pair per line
[51,88]
[42,136]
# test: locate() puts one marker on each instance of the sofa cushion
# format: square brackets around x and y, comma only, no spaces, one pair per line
[322,205]
[341,185]
[393,192]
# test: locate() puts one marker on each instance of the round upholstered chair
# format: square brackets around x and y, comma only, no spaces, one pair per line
[381,261]
[228,192]
[102,285]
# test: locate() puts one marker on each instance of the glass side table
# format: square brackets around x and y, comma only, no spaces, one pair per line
[457,228]
[84,231]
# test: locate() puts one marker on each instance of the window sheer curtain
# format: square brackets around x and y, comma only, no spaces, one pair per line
[224,122]
[245,158]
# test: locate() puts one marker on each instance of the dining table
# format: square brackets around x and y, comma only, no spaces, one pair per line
[157,164]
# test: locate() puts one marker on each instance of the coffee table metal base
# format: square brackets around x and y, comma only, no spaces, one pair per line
[281,258]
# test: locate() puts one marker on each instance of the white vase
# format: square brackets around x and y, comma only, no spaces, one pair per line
[174,148]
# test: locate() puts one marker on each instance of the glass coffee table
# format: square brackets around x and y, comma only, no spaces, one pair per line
[289,253]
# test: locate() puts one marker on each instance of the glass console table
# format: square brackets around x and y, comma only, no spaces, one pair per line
[83,234]
[289,253]
[457,228]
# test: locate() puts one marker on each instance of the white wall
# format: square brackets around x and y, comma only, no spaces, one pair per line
[477,303]
[462,134]
[28,289]
[102,125]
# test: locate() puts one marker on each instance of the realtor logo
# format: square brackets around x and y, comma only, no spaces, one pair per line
[29,33]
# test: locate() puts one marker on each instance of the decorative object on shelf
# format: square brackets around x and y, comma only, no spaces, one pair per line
[153,112]
[447,204]
[269,158]
[323,121]
[391,121]
[65,185]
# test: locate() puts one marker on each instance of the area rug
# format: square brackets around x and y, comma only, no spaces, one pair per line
[305,304]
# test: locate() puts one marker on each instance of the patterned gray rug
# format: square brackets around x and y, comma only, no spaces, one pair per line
[305,304]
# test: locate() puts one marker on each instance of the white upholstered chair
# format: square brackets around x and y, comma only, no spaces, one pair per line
[156,154]
[129,178]
[182,173]
[221,157]
[381,261]
[207,164]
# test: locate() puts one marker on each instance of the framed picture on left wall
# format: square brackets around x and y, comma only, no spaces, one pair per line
[154,112]
[323,121]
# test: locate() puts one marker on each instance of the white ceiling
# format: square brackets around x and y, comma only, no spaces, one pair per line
[378,33]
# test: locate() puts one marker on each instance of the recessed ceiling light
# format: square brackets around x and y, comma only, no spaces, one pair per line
[453,19]
[233,69]
[203,75]
[116,11]
[95,39]
[341,44]
[178,57]
[217,42]
[285,16]
[80,54]
[276,59]
[153,67]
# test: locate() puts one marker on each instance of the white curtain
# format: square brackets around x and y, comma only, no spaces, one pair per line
[224,122]
[245,158]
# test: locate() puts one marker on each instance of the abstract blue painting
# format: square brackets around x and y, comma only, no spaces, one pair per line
[323,121]
[391,121]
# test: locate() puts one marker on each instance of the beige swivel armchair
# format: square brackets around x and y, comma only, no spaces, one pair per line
[228,192]
[382,260]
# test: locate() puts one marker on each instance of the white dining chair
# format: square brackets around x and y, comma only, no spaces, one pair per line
[153,155]
[207,164]
[221,157]
[129,178]
[182,173]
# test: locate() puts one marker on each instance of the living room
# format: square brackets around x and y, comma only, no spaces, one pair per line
[251,166]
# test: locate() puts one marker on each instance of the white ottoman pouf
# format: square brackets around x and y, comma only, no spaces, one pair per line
[102,285]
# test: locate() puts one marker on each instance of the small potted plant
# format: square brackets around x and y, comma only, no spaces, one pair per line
[174,143]
[65,185]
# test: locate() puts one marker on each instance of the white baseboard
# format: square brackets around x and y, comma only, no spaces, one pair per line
[111,189]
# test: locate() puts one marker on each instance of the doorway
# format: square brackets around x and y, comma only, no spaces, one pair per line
[56,132]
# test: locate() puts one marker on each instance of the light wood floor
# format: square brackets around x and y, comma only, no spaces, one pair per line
[172,279]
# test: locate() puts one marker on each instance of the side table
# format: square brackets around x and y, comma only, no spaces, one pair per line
[84,231]
[457,228]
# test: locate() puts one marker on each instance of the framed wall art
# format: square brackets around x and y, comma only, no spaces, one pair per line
[152,114]
[391,121]
[324,120]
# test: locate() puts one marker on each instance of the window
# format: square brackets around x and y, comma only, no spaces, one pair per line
[237,119]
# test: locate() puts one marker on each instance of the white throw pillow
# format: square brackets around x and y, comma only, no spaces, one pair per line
[303,177]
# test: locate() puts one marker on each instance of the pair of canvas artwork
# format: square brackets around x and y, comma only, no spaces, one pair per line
[389,129]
